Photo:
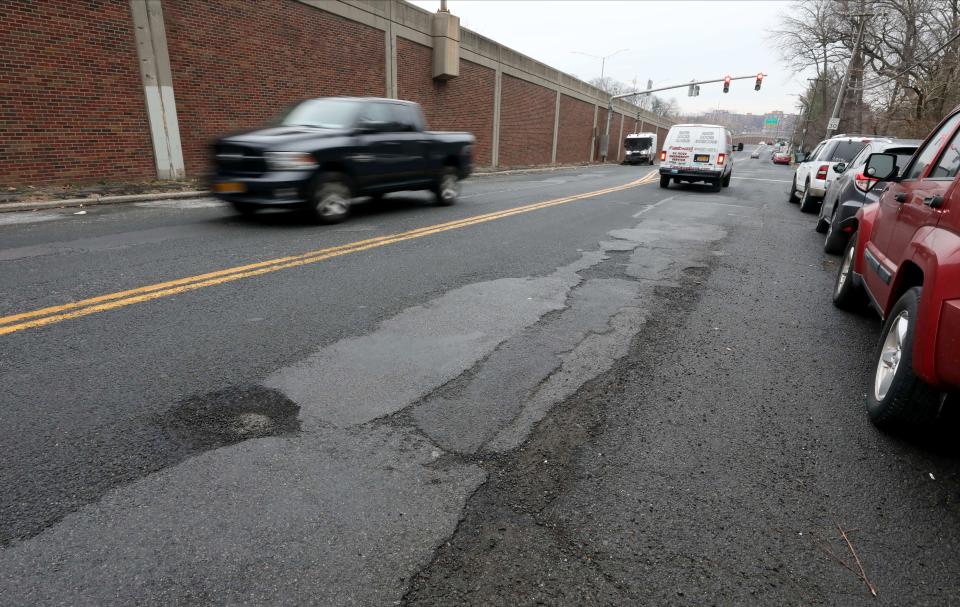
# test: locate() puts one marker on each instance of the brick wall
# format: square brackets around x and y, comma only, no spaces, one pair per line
[235,64]
[71,100]
[526,122]
[72,105]
[576,130]
[462,104]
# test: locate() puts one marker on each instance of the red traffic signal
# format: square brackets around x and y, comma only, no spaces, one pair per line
[756,86]
[726,84]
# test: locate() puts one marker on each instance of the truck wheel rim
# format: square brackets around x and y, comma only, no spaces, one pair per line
[845,269]
[448,188]
[333,202]
[890,355]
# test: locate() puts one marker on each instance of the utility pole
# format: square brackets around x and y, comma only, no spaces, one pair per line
[835,117]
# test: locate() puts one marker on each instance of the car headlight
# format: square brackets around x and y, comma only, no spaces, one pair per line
[290,161]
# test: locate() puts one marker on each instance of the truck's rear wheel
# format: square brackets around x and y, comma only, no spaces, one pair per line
[447,189]
[664,181]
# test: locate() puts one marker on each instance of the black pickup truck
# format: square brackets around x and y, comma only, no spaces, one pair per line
[324,152]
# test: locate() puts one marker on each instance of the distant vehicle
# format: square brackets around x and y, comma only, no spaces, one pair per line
[326,151]
[697,152]
[762,143]
[755,154]
[904,256]
[781,157]
[851,189]
[813,173]
[641,148]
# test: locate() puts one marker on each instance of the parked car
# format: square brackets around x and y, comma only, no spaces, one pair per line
[810,179]
[851,189]
[781,157]
[905,257]
[697,152]
[325,152]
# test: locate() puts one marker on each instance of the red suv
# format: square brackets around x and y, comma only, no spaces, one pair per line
[906,257]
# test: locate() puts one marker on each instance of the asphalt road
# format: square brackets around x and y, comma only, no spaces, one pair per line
[623,396]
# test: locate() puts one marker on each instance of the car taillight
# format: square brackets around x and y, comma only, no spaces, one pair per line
[862,182]
[663,155]
[822,171]
[721,158]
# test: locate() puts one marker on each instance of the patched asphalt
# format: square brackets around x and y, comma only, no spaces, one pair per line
[640,398]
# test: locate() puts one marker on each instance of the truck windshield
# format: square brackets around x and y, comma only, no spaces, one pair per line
[638,143]
[322,113]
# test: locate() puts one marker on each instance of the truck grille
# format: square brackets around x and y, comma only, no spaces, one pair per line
[233,159]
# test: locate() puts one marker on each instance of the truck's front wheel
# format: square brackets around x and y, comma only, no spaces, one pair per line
[331,198]
[447,189]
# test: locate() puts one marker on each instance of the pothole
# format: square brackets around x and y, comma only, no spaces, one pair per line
[229,416]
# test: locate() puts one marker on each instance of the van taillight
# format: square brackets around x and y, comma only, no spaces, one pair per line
[862,182]
[721,158]
[663,155]
[822,171]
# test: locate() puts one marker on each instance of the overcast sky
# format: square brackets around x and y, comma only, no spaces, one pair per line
[668,42]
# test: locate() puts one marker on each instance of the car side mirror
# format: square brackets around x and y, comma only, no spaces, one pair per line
[882,167]
[840,167]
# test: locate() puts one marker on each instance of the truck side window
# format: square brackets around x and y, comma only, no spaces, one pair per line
[932,148]
[406,117]
[378,116]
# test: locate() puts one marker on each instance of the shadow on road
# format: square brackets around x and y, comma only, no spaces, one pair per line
[297,218]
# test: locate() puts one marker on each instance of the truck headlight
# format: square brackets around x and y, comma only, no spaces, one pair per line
[290,161]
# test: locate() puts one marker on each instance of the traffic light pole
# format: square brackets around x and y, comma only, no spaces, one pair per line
[605,140]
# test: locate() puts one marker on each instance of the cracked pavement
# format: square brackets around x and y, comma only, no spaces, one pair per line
[638,398]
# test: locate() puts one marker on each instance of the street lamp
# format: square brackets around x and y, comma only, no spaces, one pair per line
[603,59]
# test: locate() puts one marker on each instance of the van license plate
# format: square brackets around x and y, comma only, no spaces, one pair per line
[701,157]
[229,188]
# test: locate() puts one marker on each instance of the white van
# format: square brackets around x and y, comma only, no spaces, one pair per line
[697,152]
[640,148]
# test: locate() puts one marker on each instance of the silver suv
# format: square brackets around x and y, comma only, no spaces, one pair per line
[812,177]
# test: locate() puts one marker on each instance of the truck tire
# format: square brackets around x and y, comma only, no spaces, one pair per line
[330,202]
[664,181]
[726,180]
[847,295]
[898,399]
[716,185]
[447,188]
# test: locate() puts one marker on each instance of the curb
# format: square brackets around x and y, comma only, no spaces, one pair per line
[10,207]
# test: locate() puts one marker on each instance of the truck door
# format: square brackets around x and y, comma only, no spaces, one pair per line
[376,159]
[910,204]
[414,164]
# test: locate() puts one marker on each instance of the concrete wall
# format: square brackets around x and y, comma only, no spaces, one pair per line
[117,90]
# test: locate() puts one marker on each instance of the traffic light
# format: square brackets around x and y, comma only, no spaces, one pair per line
[690,91]
[726,84]
[696,90]
[756,86]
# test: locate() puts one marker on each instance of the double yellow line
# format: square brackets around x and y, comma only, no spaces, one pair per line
[111,301]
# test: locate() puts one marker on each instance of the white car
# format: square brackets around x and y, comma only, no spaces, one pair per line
[697,152]
[755,154]
[812,176]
